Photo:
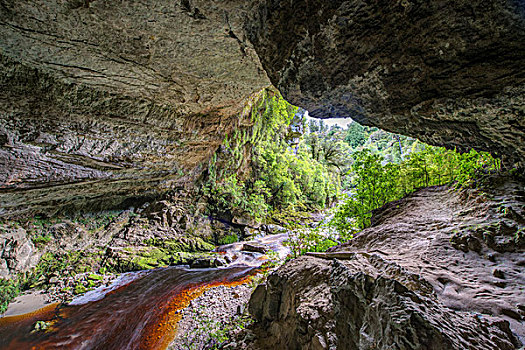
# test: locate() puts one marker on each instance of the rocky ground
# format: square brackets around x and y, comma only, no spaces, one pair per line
[440,269]
[215,317]
[211,317]
[68,256]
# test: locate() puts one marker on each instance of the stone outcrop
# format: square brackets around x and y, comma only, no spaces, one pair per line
[17,252]
[106,102]
[447,72]
[422,277]
[160,233]
[318,304]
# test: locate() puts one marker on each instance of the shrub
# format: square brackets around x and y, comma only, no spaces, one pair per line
[375,183]
[9,289]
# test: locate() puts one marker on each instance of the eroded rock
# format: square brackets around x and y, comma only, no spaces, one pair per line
[318,304]
[402,283]
[109,103]
[17,252]
[439,71]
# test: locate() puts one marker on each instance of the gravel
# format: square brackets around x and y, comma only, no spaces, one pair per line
[209,318]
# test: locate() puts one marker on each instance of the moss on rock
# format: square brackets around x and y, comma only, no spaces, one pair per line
[150,257]
[183,244]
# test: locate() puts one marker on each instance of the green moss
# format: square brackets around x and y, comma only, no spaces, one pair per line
[82,268]
[141,263]
[156,254]
[41,239]
[229,239]
[95,277]
[291,219]
[80,289]
[171,246]
[66,264]
[152,257]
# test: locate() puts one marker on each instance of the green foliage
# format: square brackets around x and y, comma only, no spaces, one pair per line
[48,264]
[392,147]
[41,239]
[9,289]
[356,135]
[95,277]
[280,175]
[68,263]
[375,183]
[247,197]
[273,260]
[79,289]
[305,240]
[229,239]
[295,181]
[291,219]
[268,168]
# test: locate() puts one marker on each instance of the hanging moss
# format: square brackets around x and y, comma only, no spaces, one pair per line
[256,170]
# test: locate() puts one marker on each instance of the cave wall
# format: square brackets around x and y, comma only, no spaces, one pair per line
[447,72]
[107,102]
[104,102]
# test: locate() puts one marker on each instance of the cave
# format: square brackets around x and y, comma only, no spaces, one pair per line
[108,105]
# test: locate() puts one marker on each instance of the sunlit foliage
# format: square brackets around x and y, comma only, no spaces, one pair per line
[281,175]
[376,183]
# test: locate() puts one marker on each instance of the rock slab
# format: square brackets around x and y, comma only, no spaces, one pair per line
[440,269]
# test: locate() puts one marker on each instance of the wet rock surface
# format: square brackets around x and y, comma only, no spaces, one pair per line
[403,284]
[437,70]
[253,247]
[68,256]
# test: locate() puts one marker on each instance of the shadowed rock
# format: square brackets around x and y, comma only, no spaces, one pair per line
[447,72]
[104,103]
[403,283]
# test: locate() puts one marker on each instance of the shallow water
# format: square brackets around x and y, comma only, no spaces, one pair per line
[139,310]
[140,314]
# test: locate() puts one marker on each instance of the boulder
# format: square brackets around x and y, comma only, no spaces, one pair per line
[207,262]
[17,252]
[313,303]
[255,247]
[410,281]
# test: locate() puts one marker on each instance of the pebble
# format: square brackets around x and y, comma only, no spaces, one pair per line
[210,312]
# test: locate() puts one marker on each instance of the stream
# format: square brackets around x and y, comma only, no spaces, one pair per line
[140,310]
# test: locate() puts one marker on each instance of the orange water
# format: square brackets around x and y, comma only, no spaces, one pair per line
[140,315]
